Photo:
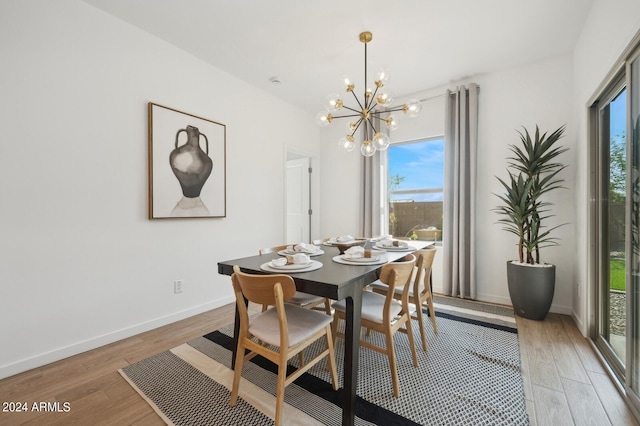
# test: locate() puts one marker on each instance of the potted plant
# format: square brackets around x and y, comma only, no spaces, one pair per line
[533,172]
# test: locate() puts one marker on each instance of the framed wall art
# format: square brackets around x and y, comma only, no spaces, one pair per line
[187,165]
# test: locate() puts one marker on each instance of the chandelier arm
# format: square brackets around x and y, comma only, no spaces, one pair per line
[357,100]
[372,126]
[357,127]
[348,115]
[351,109]
[400,108]
[378,113]
[373,98]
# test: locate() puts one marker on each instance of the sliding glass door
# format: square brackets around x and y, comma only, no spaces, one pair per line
[633,243]
[610,113]
[615,130]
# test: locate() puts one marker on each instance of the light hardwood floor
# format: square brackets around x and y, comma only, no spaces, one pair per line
[564,381]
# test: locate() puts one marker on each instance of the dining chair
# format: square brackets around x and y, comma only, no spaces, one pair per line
[385,314]
[302,299]
[279,333]
[419,291]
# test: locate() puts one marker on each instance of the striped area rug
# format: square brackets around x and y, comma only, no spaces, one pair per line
[469,375]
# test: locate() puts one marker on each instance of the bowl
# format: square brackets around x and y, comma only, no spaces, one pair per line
[346,246]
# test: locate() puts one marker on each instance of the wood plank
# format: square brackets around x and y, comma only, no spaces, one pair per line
[551,407]
[531,411]
[613,403]
[542,365]
[583,348]
[566,359]
[584,404]
[524,366]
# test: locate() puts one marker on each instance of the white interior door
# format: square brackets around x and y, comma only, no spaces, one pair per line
[298,201]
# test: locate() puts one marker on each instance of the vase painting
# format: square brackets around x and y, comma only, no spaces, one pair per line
[187,165]
[192,167]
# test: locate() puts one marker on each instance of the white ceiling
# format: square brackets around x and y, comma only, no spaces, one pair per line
[308,45]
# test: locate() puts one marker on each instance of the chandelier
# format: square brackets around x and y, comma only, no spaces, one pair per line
[367,115]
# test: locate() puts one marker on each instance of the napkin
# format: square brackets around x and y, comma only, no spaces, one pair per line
[354,252]
[297,259]
[360,252]
[303,248]
[342,239]
[392,243]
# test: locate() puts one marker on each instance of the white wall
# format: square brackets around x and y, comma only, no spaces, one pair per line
[538,93]
[81,263]
[609,28]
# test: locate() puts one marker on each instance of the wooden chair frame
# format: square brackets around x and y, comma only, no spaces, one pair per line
[394,274]
[420,291]
[274,290]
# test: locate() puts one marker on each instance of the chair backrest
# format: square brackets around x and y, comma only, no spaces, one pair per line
[261,289]
[397,273]
[423,268]
[272,249]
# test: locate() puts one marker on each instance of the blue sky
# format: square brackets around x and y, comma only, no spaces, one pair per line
[422,166]
[618,115]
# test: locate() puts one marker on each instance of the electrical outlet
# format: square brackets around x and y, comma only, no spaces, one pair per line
[578,290]
[177,286]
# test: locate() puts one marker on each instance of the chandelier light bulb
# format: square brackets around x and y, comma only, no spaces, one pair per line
[384,98]
[381,141]
[348,83]
[333,102]
[323,118]
[352,126]
[367,148]
[368,93]
[391,122]
[382,77]
[347,143]
[413,107]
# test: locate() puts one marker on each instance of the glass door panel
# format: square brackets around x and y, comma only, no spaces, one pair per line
[614,256]
[612,195]
[633,245]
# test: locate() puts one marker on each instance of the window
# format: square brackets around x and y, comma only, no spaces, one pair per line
[415,182]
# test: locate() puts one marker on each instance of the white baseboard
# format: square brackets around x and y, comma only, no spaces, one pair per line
[581,326]
[105,339]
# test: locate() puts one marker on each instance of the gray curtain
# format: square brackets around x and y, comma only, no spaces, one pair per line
[461,138]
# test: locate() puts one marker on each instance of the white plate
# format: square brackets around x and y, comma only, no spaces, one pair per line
[339,259]
[311,266]
[291,253]
[392,248]
[332,243]
[372,259]
[291,266]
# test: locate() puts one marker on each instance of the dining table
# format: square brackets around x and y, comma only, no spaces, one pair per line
[335,281]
